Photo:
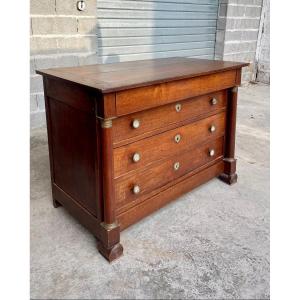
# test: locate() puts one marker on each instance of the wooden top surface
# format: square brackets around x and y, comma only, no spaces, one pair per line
[124,75]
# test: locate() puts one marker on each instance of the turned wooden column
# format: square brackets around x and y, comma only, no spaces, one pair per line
[229,176]
[109,246]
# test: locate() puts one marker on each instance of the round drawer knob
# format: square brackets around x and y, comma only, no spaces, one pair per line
[176,166]
[178,107]
[211,152]
[177,138]
[136,189]
[212,128]
[213,101]
[136,123]
[136,157]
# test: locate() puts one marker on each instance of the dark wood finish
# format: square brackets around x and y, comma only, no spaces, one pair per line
[55,203]
[71,94]
[78,211]
[81,161]
[98,171]
[110,250]
[108,240]
[108,172]
[162,146]
[111,253]
[89,114]
[127,75]
[74,160]
[163,116]
[229,176]
[106,107]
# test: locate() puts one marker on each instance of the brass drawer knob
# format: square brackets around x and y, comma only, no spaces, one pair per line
[136,189]
[213,101]
[136,157]
[176,166]
[212,128]
[178,107]
[136,123]
[177,138]
[211,152]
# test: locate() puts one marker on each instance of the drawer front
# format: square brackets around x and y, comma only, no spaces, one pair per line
[164,145]
[136,186]
[142,98]
[125,127]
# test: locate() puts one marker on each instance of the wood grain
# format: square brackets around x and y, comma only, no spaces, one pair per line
[163,145]
[162,116]
[74,159]
[151,178]
[71,94]
[115,77]
[139,99]
[154,203]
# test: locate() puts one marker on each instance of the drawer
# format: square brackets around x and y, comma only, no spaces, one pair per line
[139,99]
[137,185]
[149,150]
[126,127]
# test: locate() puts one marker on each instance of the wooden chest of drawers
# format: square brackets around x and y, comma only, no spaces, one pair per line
[127,138]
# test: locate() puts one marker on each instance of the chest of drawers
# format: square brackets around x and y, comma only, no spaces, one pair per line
[127,138]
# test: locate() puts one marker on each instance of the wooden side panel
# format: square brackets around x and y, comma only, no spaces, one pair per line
[139,99]
[74,95]
[78,211]
[74,153]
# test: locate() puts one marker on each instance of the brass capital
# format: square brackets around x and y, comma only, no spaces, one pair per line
[109,226]
[234,89]
[106,123]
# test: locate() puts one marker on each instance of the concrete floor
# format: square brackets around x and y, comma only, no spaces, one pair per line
[212,243]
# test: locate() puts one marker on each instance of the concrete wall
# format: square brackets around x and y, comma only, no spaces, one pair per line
[237,32]
[263,47]
[60,36]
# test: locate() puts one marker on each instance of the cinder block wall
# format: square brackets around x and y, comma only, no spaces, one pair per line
[237,32]
[63,36]
[60,36]
[263,47]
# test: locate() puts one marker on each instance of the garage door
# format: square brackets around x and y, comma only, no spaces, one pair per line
[133,30]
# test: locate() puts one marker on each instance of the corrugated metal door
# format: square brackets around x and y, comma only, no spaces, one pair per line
[143,29]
